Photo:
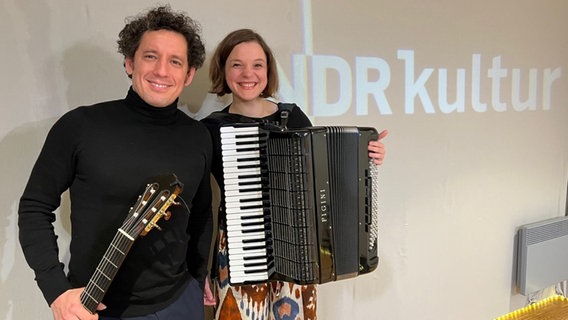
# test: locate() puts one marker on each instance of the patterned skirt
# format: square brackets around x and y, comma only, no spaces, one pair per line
[274,300]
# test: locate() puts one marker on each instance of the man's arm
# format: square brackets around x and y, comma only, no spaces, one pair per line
[201,222]
[50,177]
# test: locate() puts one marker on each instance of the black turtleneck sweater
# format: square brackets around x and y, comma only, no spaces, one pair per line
[104,154]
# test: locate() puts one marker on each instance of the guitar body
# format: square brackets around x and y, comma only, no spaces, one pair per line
[149,208]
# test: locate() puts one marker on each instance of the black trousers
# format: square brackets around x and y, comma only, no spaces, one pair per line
[188,306]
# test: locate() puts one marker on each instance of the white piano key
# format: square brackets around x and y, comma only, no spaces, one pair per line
[252,194]
[248,245]
[244,265]
[235,137]
[244,230]
[250,239]
[248,260]
[249,171]
[245,237]
[241,172]
[237,266]
[246,227]
[238,222]
[235,190]
[236,155]
[231,193]
[240,277]
[242,192]
[239,153]
[248,252]
[231,184]
[239,140]
[245,197]
[230,147]
[251,200]
[244,246]
[239,213]
[248,273]
[228,130]
[240,236]
[235,165]
[240,246]
[238,225]
[233,205]
[239,218]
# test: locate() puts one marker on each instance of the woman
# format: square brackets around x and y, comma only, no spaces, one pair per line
[243,65]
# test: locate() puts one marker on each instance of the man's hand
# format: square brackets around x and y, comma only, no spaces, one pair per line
[377,148]
[68,307]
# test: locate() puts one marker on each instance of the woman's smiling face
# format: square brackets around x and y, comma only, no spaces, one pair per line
[246,71]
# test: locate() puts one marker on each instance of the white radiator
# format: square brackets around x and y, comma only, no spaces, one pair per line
[542,254]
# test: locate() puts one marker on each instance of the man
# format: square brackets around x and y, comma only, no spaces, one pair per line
[104,154]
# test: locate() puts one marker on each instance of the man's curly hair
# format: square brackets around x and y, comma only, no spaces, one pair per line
[162,18]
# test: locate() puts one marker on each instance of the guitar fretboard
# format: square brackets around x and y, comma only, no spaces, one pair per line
[106,270]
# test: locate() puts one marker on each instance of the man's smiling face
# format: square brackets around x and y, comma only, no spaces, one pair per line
[160,67]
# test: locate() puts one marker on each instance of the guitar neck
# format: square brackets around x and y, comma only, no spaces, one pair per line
[142,217]
[106,270]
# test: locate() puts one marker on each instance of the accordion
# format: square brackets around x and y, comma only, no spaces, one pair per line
[301,204]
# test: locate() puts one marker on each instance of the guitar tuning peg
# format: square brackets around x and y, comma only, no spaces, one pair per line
[157,226]
[167,215]
[176,203]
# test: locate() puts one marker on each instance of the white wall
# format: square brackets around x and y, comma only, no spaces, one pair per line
[458,179]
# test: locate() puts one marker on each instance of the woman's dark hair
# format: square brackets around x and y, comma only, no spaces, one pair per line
[219,85]
[162,18]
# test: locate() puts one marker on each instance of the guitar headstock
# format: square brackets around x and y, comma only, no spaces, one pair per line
[152,205]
